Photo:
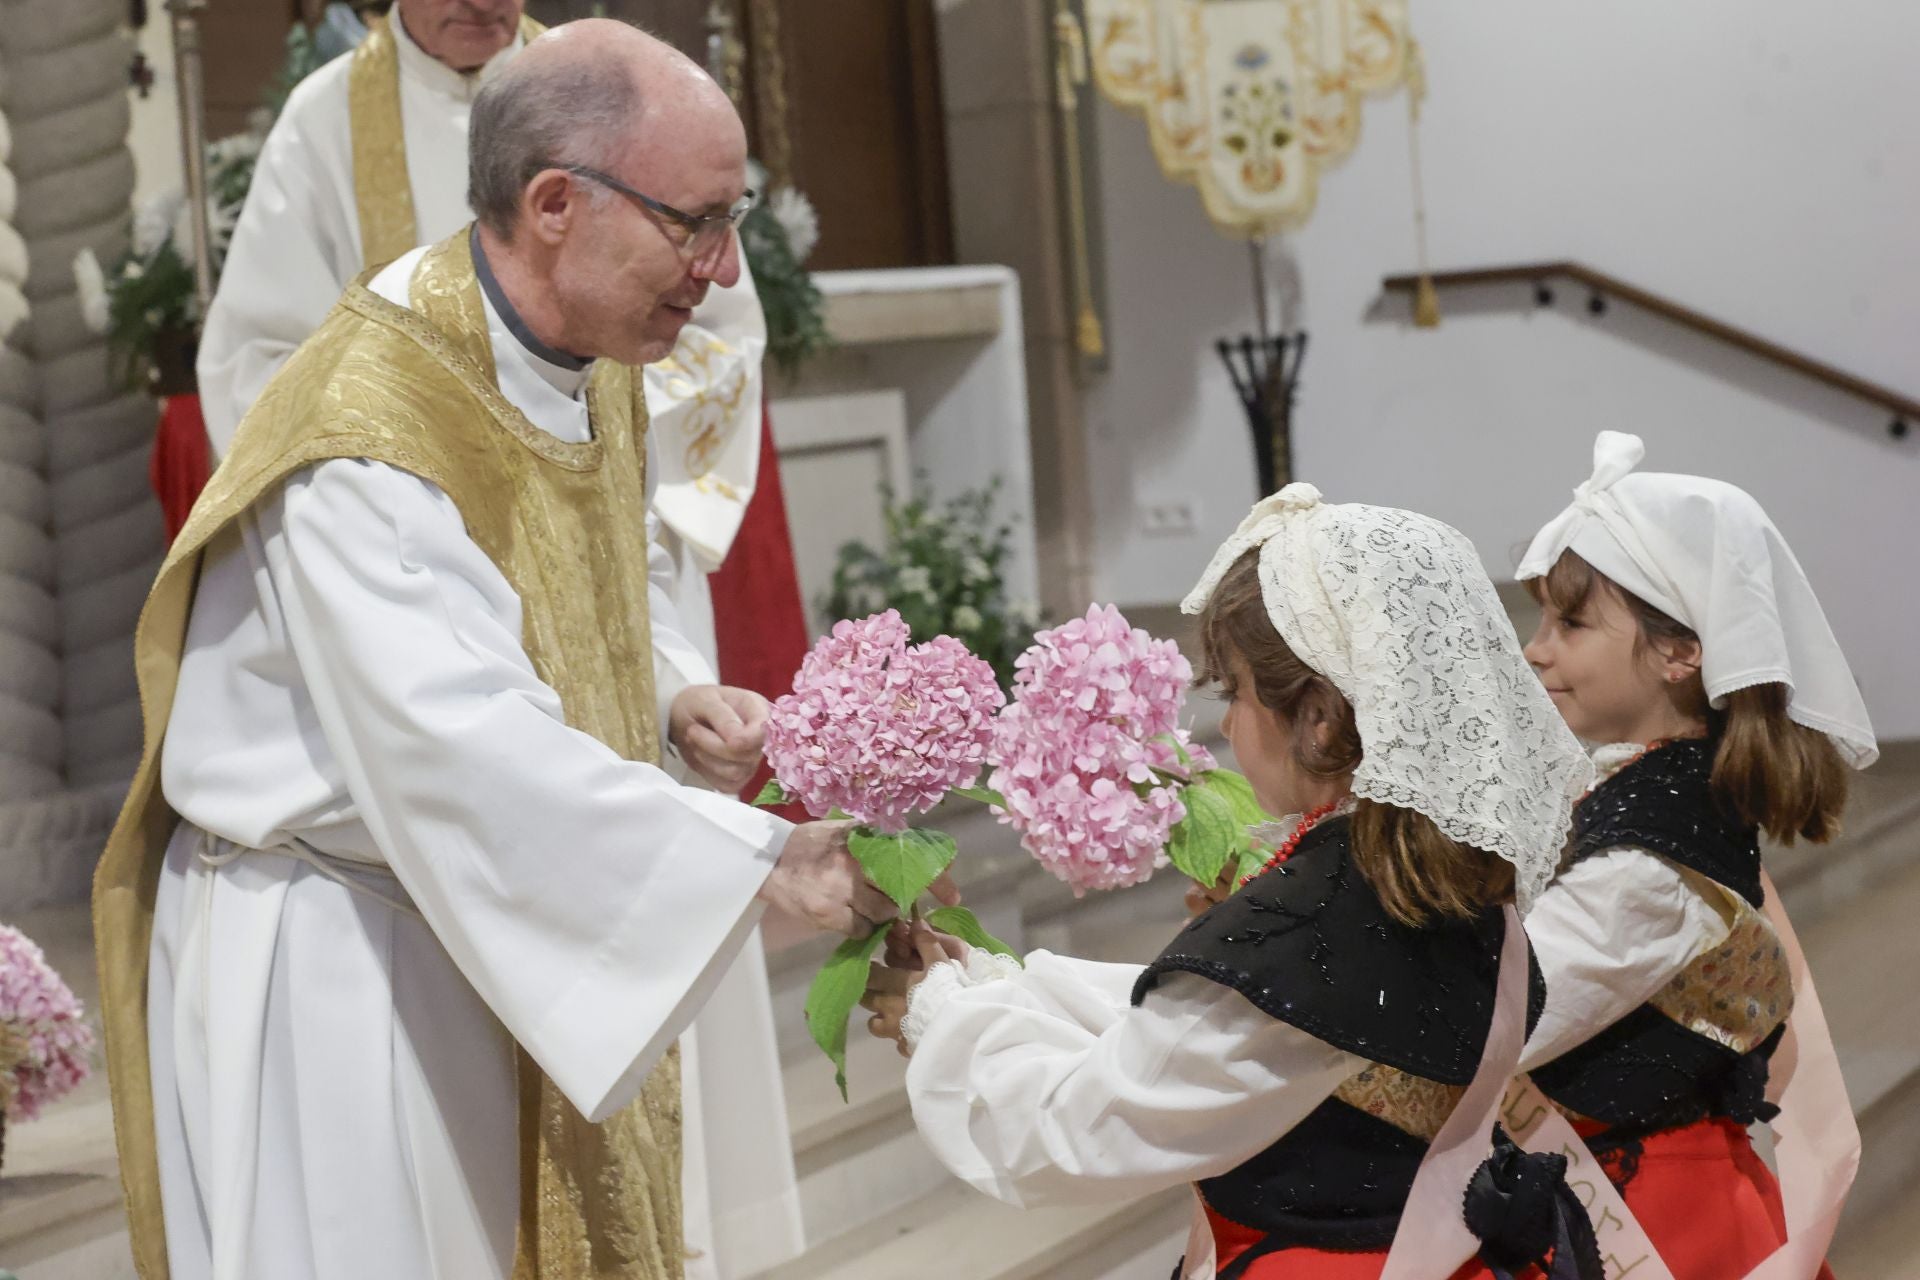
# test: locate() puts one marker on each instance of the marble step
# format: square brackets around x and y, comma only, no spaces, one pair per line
[956,1231]
[60,1215]
[1862,958]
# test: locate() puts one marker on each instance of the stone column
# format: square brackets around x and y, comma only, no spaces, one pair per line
[65,97]
[1003,155]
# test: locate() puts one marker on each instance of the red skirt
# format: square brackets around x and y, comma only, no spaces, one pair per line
[1230,1240]
[1706,1200]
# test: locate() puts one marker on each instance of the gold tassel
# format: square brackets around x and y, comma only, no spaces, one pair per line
[1426,299]
[1426,304]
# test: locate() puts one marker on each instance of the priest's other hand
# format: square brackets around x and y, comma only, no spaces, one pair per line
[817,880]
[719,731]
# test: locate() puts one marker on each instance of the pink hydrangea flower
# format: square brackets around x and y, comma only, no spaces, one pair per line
[1095,713]
[42,1012]
[880,729]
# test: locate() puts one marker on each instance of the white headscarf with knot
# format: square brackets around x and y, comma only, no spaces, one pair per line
[1704,553]
[1395,610]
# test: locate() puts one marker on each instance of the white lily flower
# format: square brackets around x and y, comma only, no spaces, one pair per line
[91,283]
[798,218]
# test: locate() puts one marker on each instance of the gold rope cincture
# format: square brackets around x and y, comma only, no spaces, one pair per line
[1070,72]
[1426,300]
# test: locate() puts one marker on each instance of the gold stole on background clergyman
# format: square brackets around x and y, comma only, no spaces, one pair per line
[417,390]
[382,190]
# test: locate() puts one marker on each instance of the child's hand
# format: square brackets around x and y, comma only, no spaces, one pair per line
[1200,898]
[911,950]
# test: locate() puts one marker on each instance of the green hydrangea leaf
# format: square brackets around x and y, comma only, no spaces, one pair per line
[985,795]
[1238,793]
[964,925]
[1208,838]
[901,866]
[773,793]
[836,989]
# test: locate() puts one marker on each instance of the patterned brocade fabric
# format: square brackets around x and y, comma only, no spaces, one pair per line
[1405,1101]
[1737,993]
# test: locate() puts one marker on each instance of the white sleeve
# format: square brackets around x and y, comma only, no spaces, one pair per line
[1046,1086]
[291,256]
[1611,931]
[677,662]
[591,901]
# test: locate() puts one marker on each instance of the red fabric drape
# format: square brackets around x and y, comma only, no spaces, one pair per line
[759,622]
[182,459]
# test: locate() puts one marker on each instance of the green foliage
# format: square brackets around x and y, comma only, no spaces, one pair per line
[943,567]
[1207,839]
[772,793]
[985,795]
[964,925]
[795,312]
[901,866]
[836,989]
[1220,807]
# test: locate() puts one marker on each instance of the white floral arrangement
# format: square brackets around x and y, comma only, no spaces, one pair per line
[943,567]
[146,306]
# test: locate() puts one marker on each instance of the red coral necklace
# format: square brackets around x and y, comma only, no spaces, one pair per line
[1308,821]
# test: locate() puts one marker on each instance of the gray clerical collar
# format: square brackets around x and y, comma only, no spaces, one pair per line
[511,318]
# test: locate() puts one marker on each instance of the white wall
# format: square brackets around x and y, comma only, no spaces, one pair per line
[1754,160]
[153,134]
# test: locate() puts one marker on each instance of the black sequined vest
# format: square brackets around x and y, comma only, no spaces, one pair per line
[1309,944]
[1699,1048]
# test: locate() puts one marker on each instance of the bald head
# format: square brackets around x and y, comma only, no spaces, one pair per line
[595,92]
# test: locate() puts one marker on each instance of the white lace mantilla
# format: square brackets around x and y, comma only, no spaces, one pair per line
[1396,610]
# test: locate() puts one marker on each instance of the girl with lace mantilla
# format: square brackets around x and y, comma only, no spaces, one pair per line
[1326,1048]
[1678,627]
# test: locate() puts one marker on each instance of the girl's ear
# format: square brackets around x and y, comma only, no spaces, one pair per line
[1679,659]
[1317,708]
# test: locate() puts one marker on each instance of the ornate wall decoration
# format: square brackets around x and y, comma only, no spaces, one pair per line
[1249,99]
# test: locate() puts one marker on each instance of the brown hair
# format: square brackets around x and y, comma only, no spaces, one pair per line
[1768,772]
[1418,872]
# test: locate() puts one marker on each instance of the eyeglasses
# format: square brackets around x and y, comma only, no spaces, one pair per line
[705,233]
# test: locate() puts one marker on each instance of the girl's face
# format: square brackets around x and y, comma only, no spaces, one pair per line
[1265,745]
[1608,685]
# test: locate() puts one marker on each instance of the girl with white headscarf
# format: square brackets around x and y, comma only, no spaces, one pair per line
[1679,631]
[1322,1053]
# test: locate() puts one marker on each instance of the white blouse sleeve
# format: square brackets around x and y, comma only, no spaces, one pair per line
[590,900]
[1611,931]
[1046,1086]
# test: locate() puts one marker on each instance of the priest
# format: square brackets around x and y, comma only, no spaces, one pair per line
[400,922]
[367,161]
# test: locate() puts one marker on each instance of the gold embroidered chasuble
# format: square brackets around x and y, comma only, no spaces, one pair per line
[384,201]
[565,524]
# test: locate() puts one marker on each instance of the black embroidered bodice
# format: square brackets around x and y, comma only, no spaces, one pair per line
[1699,1048]
[1309,944]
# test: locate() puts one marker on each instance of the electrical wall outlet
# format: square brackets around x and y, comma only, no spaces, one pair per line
[1170,519]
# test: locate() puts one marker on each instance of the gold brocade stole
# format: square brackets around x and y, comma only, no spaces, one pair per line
[564,522]
[382,189]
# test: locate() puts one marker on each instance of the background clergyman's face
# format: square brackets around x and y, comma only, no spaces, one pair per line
[462,33]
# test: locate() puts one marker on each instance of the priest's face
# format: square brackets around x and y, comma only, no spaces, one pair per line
[464,34]
[633,275]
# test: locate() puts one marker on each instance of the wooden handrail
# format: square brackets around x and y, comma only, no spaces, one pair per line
[1538,273]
